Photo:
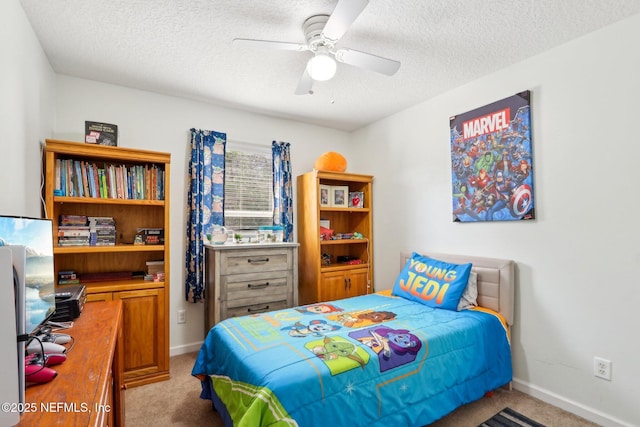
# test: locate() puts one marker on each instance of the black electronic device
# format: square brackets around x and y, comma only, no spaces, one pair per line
[70,300]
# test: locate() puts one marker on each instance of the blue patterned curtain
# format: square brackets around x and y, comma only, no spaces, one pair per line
[282,188]
[205,202]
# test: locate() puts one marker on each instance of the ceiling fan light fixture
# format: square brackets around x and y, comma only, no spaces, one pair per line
[321,67]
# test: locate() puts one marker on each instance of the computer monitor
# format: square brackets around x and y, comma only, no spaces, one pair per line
[35,234]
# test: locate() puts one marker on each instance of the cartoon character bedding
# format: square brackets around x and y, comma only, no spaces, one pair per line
[373,360]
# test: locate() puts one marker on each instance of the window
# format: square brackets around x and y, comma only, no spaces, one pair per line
[248,187]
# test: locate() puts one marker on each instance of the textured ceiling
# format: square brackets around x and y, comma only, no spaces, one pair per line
[184,48]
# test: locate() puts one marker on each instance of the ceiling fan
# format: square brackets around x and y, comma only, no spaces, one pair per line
[322,33]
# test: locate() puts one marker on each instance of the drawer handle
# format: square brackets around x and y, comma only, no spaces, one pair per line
[257,260]
[258,286]
[258,310]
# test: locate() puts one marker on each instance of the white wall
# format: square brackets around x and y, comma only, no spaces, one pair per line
[27,91]
[577,262]
[577,293]
[151,121]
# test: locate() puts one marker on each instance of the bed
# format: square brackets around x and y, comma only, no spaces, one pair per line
[373,360]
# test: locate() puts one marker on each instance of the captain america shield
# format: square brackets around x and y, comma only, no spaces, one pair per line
[521,200]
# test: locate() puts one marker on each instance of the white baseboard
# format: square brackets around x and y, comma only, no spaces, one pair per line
[562,402]
[184,349]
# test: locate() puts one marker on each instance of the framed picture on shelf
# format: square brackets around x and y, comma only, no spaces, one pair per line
[340,196]
[325,195]
[356,199]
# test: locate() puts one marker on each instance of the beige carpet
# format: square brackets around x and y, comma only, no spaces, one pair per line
[176,403]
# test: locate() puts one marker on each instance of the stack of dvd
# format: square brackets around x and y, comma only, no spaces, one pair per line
[73,230]
[103,230]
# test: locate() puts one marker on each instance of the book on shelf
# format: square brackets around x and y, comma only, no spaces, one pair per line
[155,267]
[101,220]
[73,231]
[62,241]
[100,133]
[84,178]
[103,242]
[73,220]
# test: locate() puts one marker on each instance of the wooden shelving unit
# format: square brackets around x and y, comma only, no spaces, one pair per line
[145,303]
[320,282]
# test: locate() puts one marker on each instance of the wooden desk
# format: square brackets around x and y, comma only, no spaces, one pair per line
[88,390]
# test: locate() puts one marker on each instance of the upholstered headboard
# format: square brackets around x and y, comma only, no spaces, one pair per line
[496,279]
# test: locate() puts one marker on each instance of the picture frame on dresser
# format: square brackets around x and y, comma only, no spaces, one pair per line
[340,196]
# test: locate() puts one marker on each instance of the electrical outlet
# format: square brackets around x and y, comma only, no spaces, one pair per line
[602,368]
[182,316]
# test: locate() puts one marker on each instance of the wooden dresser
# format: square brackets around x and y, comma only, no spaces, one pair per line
[249,278]
[88,390]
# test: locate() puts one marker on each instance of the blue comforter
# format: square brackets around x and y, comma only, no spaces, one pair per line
[373,360]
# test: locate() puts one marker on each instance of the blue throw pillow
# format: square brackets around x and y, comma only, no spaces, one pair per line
[432,282]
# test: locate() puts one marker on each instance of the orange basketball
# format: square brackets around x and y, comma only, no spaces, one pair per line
[331,162]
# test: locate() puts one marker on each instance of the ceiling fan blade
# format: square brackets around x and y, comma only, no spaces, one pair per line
[268,44]
[342,17]
[305,84]
[368,61]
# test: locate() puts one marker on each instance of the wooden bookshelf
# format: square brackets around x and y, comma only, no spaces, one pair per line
[145,303]
[320,282]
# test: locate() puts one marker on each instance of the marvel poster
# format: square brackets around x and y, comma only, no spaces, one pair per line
[492,162]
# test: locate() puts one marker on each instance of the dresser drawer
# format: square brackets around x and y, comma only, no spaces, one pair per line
[253,309]
[256,260]
[247,279]
[248,289]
